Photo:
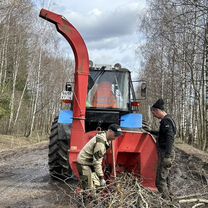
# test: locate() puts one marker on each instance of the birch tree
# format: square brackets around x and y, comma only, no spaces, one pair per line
[33,69]
[176,63]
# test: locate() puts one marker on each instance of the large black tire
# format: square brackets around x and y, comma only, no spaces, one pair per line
[58,156]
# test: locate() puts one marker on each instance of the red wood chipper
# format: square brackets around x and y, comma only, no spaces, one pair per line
[98,97]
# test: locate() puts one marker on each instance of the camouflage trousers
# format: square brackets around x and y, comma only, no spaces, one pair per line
[88,178]
[163,176]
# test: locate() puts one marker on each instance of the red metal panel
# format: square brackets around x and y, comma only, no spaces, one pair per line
[81,80]
[137,153]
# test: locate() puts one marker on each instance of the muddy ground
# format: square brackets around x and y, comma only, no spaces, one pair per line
[25,181]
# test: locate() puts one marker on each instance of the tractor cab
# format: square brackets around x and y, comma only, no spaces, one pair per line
[110,95]
[108,89]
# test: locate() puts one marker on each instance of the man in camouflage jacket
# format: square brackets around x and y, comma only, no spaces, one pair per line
[89,161]
[165,145]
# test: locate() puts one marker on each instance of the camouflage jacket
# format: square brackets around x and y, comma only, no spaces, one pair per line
[93,152]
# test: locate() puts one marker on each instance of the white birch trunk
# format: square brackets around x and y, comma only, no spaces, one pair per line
[37,90]
[16,67]
[20,103]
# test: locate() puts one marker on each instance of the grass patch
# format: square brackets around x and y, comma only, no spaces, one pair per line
[8,142]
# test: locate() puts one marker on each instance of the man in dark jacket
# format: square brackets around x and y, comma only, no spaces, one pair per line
[165,144]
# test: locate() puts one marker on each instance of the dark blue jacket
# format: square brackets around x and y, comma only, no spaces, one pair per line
[167,134]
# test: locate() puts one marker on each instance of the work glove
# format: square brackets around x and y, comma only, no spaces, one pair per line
[167,162]
[102,182]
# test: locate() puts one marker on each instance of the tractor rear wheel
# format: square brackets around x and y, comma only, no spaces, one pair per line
[58,156]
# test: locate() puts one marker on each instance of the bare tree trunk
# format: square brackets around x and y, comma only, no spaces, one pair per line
[3,54]
[205,91]
[16,67]
[37,90]
[20,103]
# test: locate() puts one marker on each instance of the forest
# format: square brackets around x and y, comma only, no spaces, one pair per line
[33,70]
[175,63]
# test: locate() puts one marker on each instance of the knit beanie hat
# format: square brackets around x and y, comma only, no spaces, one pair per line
[159,104]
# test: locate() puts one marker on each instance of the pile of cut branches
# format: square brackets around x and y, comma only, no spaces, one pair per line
[125,191]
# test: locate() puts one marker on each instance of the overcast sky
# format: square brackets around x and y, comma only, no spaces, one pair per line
[109,28]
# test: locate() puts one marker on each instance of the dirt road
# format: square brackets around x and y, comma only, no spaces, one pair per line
[25,182]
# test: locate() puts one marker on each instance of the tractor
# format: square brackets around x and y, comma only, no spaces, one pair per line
[99,96]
